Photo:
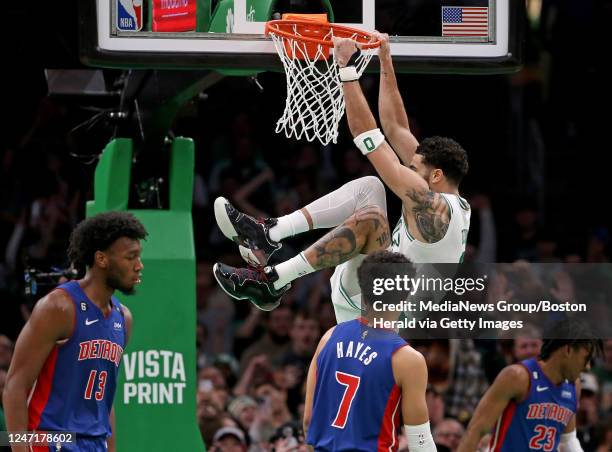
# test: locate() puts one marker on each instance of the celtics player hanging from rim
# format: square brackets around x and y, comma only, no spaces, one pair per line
[433,227]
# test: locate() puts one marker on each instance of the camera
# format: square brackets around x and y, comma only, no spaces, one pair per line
[35,278]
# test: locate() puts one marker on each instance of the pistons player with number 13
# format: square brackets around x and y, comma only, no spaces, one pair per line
[66,362]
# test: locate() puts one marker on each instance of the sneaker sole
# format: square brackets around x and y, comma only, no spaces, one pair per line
[234,296]
[223,220]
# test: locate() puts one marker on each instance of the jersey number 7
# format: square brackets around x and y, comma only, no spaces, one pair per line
[351,384]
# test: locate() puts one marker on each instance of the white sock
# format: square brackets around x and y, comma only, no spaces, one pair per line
[288,226]
[294,268]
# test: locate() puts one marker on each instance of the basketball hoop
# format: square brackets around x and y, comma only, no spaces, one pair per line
[314,104]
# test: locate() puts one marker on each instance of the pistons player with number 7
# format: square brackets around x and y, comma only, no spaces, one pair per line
[363,379]
[532,405]
[64,370]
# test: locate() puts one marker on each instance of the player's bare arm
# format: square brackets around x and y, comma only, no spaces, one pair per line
[393,117]
[430,213]
[410,373]
[311,381]
[512,383]
[429,207]
[51,321]
[569,441]
[366,231]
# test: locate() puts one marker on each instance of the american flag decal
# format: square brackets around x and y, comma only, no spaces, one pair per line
[465,21]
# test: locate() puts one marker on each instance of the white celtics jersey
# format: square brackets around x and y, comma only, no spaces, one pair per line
[448,250]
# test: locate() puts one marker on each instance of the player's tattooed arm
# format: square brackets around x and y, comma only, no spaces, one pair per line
[335,247]
[430,213]
[364,232]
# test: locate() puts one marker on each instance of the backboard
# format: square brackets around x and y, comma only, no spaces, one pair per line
[426,36]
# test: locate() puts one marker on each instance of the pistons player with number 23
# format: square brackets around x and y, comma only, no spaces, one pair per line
[66,362]
[532,405]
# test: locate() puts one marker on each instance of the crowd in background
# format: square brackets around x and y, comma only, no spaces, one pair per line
[535,186]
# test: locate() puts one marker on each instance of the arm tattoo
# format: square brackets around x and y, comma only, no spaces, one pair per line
[335,247]
[351,238]
[430,213]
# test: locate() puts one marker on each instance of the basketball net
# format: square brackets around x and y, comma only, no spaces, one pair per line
[315,102]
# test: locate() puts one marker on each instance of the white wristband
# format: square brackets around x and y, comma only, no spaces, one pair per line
[569,443]
[419,438]
[348,74]
[369,141]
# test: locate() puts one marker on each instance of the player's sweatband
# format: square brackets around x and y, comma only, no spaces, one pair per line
[419,438]
[369,141]
[569,443]
[348,74]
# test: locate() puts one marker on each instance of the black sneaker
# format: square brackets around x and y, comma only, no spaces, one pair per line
[246,231]
[255,285]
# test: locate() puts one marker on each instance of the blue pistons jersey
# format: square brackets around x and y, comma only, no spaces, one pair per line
[76,385]
[357,404]
[538,422]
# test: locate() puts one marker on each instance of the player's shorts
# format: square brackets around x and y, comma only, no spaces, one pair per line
[345,293]
[82,444]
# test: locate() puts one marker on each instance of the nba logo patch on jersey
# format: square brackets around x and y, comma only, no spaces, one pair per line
[566,394]
[129,15]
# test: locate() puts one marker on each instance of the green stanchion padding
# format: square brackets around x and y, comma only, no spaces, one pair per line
[113,170]
[155,404]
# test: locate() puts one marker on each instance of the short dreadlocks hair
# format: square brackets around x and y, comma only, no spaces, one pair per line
[446,154]
[98,233]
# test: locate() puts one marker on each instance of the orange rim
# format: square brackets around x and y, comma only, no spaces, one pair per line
[360,36]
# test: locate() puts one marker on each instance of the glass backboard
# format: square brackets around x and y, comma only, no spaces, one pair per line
[432,36]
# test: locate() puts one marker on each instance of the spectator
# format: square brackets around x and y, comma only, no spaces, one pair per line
[244,409]
[448,433]
[486,251]
[289,438]
[587,416]
[435,406]
[304,336]
[229,439]
[456,372]
[275,341]
[603,371]
[528,344]
[272,413]
[605,436]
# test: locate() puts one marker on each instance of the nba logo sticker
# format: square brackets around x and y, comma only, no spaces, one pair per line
[129,15]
